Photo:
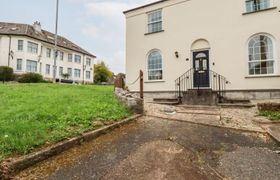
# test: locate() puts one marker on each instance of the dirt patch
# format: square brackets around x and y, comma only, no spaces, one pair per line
[160,160]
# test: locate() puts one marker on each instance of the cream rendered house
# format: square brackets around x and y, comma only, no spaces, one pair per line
[28,48]
[231,46]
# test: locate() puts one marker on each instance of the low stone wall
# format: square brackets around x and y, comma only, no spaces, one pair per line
[275,107]
[134,103]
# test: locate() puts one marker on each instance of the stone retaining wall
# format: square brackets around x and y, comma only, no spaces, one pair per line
[134,103]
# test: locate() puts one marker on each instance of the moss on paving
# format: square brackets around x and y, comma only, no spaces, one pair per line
[32,115]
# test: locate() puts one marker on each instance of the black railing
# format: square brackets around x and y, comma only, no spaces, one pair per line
[197,80]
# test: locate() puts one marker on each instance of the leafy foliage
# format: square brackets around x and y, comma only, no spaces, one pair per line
[35,114]
[101,73]
[30,78]
[273,116]
[6,73]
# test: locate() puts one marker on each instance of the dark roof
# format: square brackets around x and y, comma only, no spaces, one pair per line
[144,6]
[45,36]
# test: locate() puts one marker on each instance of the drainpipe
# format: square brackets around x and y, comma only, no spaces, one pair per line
[9,53]
[84,69]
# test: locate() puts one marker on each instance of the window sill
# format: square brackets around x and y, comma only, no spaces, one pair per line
[153,32]
[154,81]
[271,8]
[261,76]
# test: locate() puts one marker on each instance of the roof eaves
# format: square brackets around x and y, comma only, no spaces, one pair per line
[144,6]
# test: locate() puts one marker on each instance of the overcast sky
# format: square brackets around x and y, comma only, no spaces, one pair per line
[96,25]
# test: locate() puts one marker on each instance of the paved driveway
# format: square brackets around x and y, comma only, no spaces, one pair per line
[153,148]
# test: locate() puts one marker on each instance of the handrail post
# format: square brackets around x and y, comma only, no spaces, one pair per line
[219,80]
[141,85]
[179,84]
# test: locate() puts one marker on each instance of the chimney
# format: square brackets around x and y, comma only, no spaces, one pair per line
[37,26]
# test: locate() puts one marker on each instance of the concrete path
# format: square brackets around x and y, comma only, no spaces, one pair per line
[154,148]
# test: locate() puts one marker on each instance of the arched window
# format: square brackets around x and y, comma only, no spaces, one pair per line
[261,55]
[155,66]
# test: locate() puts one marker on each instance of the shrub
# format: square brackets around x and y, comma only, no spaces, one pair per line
[6,73]
[31,78]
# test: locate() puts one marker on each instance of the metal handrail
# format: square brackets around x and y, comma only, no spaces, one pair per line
[185,82]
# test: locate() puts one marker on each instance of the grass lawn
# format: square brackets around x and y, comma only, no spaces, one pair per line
[32,115]
[273,116]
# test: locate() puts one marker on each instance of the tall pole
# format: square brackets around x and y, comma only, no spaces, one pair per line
[55,42]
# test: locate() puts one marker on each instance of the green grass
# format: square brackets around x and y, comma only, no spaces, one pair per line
[273,116]
[32,115]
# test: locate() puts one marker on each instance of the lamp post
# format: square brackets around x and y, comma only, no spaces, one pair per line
[55,42]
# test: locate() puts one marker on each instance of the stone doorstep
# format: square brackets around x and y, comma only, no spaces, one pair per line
[201,112]
[19,164]
[272,131]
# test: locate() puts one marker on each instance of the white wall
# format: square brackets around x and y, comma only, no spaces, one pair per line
[42,58]
[220,22]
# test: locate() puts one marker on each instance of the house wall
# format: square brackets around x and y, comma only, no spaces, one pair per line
[220,22]
[42,59]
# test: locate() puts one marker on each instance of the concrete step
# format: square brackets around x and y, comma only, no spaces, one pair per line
[199,107]
[236,105]
[167,102]
[165,99]
[235,100]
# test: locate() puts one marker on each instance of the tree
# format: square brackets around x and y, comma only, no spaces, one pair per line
[6,73]
[66,76]
[101,73]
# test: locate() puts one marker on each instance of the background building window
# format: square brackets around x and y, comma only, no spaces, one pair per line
[261,57]
[49,52]
[61,71]
[19,64]
[87,74]
[154,21]
[69,71]
[20,45]
[155,66]
[48,69]
[78,59]
[77,73]
[32,47]
[31,66]
[257,5]
[70,57]
[88,62]
[61,54]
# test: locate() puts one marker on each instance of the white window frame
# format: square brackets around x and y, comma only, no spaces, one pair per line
[32,47]
[156,69]
[21,64]
[80,59]
[70,59]
[88,61]
[61,56]
[30,68]
[48,52]
[77,73]
[70,72]
[20,45]
[88,75]
[258,8]
[154,22]
[48,69]
[274,54]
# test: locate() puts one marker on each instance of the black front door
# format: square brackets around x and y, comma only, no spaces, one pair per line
[201,69]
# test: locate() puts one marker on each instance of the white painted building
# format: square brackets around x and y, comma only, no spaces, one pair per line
[198,40]
[28,48]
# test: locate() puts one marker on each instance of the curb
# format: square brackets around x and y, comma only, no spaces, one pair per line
[210,125]
[10,167]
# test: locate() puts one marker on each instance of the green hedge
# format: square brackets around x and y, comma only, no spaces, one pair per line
[6,73]
[31,78]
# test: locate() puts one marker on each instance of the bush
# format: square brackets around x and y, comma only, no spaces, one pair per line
[6,73]
[31,78]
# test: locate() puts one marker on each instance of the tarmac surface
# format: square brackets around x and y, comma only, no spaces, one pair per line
[154,148]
